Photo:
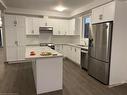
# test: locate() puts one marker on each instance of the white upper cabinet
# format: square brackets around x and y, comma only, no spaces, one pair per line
[72,27]
[109,11]
[32,25]
[97,15]
[60,26]
[103,13]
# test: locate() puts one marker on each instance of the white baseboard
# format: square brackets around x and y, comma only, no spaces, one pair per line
[113,85]
[20,61]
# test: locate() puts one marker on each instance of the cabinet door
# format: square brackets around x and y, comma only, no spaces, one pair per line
[36,25]
[21,53]
[65,50]
[77,26]
[29,26]
[20,21]
[72,53]
[97,14]
[72,27]
[10,21]
[57,48]
[21,37]
[66,27]
[11,53]
[78,55]
[109,11]
[59,27]
[54,23]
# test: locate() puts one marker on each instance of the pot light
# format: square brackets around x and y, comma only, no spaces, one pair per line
[60,8]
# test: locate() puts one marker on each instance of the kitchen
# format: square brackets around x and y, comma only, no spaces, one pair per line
[78,49]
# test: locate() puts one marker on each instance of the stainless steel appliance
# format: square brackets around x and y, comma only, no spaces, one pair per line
[84,59]
[46,29]
[99,51]
[51,45]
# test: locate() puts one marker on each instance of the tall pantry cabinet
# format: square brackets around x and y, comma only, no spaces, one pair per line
[15,27]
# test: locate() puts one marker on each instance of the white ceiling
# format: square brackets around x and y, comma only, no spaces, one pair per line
[47,5]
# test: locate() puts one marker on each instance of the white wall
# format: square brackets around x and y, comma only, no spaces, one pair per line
[89,6]
[118,70]
[36,12]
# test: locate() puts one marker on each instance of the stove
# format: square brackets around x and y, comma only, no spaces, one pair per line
[51,45]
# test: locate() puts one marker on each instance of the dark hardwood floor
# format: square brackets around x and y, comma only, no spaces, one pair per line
[17,79]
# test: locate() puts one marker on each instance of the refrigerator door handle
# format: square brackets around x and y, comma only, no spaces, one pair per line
[90,42]
[107,48]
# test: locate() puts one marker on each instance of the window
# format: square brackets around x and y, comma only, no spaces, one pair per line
[86,26]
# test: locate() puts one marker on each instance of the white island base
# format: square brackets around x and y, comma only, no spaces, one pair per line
[47,70]
[48,74]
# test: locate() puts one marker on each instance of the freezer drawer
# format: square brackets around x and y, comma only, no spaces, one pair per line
[99,70]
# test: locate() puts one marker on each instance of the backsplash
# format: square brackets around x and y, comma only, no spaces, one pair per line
[49,38]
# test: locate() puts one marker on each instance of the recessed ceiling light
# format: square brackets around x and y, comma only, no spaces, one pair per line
[60,8]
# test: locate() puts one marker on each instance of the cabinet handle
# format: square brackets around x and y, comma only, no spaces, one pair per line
[58,32]
[75,50]
[65,33]
[16,43]
[46,24]
[100,17]
[33,31]
[15,23]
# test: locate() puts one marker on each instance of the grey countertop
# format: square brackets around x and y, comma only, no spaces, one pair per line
[70,44]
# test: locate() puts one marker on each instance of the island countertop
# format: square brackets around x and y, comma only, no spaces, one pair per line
[38,50]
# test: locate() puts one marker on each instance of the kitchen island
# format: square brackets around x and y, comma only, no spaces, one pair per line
[47,65]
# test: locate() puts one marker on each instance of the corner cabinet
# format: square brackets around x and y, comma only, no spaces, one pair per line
[103,13]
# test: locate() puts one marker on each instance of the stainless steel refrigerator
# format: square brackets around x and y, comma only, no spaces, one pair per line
[100,38]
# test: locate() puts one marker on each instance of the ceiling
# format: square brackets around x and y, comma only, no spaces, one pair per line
[47,5]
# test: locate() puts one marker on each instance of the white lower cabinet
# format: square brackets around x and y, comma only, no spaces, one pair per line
[71,52]
[59,48]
